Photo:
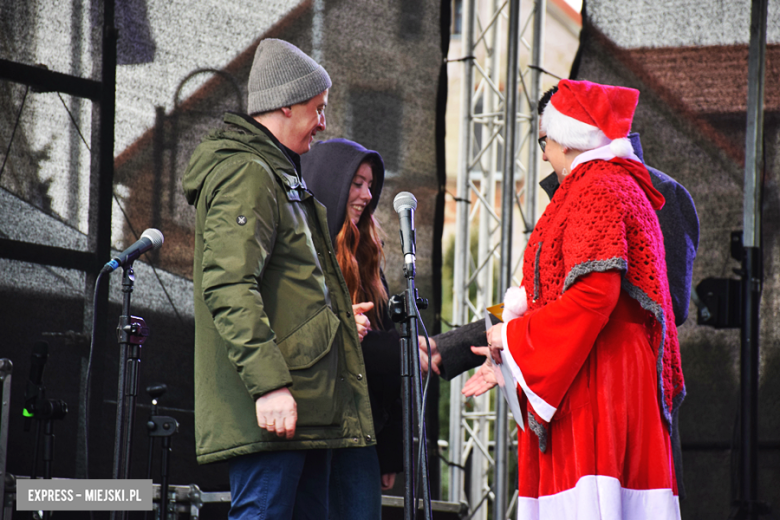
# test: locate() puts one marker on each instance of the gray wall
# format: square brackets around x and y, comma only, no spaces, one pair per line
[679,23]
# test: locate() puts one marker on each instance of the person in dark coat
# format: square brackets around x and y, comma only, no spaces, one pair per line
[347,179]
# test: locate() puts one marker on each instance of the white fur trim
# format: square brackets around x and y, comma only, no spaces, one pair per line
[541,407]
[604,153]
[621,147]
[571,132]
[515,303]
[597,497]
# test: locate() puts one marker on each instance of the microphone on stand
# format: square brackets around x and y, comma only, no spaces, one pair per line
[405,310]
[405,204]
[150,239]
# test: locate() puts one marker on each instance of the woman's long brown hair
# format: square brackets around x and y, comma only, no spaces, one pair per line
[359,254]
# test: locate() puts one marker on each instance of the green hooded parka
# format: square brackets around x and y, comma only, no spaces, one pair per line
[272,309]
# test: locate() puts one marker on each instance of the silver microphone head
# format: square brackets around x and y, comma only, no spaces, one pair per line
[155,237]
[404,200]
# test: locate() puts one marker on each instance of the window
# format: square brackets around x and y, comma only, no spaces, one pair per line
[456,27]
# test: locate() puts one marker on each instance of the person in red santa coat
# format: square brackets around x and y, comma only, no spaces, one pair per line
[595,355]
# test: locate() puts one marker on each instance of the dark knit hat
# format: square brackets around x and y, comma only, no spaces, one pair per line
[282,75]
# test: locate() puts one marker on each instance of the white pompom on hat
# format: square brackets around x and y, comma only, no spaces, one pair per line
[621,147]
[585,115]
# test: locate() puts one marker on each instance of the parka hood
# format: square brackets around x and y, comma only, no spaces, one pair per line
[328,169]
[241,134]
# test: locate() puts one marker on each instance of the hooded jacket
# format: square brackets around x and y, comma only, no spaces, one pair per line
[272,309]
[328,170]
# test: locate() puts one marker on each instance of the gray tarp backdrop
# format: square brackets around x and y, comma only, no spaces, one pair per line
[180,66]
[687,57]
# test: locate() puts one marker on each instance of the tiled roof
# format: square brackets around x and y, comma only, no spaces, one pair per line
[699,83]
[713,79]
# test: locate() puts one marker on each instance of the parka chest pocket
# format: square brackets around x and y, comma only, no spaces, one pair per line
[313,363]
[311,341]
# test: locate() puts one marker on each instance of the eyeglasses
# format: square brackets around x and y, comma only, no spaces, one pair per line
[542,143]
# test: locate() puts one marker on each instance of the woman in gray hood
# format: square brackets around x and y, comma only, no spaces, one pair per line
[347,179]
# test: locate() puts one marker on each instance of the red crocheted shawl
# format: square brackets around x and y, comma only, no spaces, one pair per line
[602,218]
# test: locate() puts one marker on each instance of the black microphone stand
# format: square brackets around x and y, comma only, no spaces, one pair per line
[131,333]
[45,411]
[50,410]
[155,392]
[164,427]
[404,308]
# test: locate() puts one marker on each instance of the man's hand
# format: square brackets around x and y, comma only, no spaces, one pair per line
[483,379]
[435,361]
[361,320]
[495,342]
[277,412]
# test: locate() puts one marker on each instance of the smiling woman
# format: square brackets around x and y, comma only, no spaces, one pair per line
[360,192]
[347,178]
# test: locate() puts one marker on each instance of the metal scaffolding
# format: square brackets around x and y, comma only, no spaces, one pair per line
[498,156]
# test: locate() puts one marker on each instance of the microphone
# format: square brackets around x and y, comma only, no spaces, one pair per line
[150,239]
[405,204]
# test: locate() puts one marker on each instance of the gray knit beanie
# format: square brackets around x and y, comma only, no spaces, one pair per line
[282,75]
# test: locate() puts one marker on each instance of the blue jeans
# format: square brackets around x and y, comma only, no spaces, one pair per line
[355,485]
[280,485]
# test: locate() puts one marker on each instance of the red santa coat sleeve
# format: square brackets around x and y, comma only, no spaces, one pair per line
[550,345]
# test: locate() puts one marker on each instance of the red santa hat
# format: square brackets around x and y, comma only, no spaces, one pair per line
[584,115]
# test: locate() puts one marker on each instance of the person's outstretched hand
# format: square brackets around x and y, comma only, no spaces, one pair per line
[483,379]
[435,360]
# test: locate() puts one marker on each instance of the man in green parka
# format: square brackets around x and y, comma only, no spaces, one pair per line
[279,373]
